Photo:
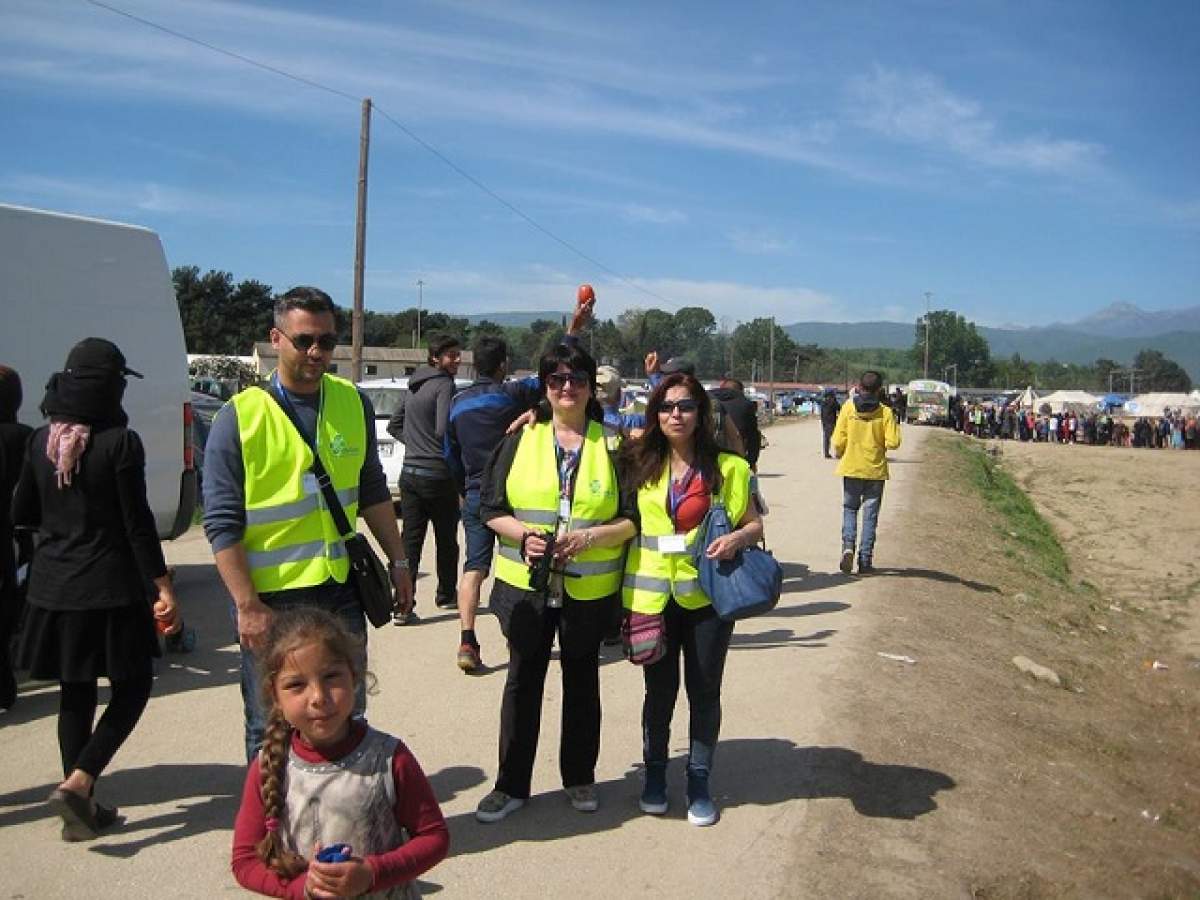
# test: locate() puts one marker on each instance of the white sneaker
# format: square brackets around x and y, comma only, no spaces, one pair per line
[496,806]
[583,797]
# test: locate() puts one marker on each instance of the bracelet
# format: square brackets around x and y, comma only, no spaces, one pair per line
[588,539]
[401,564]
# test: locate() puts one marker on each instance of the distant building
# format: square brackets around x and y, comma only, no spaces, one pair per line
[378,362]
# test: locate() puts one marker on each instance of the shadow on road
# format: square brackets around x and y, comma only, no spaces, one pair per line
[205,798]
[780,637]
[749,772]
[798,578]
[935,575]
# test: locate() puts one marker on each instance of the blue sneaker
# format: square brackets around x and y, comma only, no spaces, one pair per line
[654,792]
[701,809]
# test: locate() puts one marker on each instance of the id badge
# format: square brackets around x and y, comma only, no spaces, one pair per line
[673,543]
[309,483]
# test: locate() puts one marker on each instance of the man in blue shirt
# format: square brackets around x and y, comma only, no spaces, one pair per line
[480,415]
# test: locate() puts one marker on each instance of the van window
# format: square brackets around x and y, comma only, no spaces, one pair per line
[385,400]
[372,370]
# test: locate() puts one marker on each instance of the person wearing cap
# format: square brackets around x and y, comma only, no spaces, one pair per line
[82,488]
[617,425]
[13,438]
[273,538]
[727,433]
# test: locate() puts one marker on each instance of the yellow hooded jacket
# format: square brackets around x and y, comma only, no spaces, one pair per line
[862,438]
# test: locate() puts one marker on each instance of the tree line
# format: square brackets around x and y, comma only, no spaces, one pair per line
[221,316]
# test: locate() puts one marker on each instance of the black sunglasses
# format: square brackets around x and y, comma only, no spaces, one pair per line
[304,342]
[687,405]
[558,380]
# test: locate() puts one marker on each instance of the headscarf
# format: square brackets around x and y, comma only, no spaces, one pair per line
[85,395]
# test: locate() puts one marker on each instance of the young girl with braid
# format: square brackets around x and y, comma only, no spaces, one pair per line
[323,778]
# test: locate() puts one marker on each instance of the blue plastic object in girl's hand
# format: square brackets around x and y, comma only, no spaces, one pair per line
[334,853]
[748,584]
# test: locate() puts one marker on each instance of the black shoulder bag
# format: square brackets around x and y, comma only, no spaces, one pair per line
[369,575]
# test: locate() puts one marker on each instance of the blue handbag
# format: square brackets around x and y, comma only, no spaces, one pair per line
[748,584]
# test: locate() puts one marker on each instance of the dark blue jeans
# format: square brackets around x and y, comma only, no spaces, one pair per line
[339,599]
[867,494]
[703,639]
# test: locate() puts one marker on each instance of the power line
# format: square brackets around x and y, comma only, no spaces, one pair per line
[408,132]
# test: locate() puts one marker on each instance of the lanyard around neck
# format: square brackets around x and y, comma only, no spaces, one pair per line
[286,399]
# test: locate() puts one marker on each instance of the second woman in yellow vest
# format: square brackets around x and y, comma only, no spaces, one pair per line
[554,477]
[675,469]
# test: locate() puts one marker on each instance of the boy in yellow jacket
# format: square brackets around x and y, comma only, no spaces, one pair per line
[865,431]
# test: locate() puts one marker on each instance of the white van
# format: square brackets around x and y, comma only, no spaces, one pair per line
[64,278]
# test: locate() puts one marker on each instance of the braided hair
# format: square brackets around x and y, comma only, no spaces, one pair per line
[290,630]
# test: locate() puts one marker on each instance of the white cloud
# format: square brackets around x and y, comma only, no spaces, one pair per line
[416,75]
[919,109]
[536,288]
[653,215]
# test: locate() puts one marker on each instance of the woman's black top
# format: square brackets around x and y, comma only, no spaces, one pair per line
[97,540]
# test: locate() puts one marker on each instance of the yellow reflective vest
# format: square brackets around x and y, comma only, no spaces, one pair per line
[532,491]
[653,577]
[290,538]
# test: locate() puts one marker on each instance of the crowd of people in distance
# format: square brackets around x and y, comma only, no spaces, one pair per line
[1173,430]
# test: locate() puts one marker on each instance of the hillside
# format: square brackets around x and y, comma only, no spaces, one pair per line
[1063,343]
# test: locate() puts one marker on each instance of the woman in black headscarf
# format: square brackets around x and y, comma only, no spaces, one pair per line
[13,438]
[83,488]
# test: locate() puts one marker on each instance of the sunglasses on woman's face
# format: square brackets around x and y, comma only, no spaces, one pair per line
[558,380]
[304,342]
[686,405]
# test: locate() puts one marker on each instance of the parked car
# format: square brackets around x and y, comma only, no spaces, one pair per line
[387,395]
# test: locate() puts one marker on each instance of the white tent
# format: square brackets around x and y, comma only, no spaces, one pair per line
[1028,399]
[1154,405]
[1069,401]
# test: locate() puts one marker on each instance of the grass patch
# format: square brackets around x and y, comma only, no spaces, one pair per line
[1019,522]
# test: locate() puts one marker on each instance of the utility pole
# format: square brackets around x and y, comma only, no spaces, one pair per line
[360,245]
[420,300]
[771,373]
[927,296]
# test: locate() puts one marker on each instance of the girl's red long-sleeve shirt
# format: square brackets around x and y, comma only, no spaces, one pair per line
[416,810]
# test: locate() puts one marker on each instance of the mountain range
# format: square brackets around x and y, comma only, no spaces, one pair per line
[1115,332]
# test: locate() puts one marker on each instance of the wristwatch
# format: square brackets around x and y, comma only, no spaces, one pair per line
[401,564]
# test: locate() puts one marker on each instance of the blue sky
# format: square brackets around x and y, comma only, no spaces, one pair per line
[1026,163]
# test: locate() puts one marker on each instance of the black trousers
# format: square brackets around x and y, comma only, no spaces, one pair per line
[826,435]
[424,500]
[531,628]
[702,638]
[92,749]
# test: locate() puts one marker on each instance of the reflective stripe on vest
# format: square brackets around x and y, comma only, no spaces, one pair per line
[532,490]
[653,577]
[290,538]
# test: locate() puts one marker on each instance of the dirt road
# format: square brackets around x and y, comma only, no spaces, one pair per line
[178,778]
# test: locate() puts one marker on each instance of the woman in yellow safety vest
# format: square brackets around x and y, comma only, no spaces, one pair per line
[675,469]
[550,493]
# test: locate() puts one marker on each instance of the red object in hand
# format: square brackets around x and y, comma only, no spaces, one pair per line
[162,625]
[586,294]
